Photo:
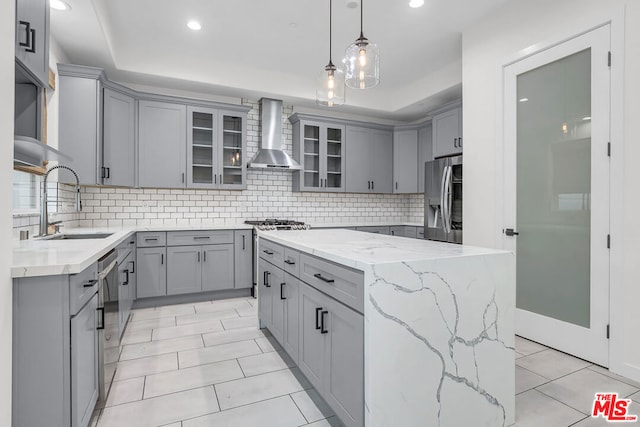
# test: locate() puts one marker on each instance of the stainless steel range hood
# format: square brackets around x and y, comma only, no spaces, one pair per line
[270,154]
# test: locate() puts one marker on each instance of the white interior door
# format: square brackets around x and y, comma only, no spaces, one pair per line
[556,189]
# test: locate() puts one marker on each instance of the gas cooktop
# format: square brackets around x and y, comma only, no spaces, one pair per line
[279,224]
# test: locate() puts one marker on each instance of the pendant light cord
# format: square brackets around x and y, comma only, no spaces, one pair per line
[361,14]
[330,26]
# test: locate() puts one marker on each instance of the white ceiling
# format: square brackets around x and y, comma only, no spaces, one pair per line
[276,48]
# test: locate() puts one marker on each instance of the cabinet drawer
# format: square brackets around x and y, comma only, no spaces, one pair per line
[272,252]
[292,262]
[342,283]
[375,229]
[82,287]
[148,239]
[420,232]
[205,237]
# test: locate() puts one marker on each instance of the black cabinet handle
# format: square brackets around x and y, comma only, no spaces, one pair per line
[322,320]
[27,30]
[282,290]
[268,252]
[90,283]
[266,279]
[150,239]
[161,258]
[324,279]
[133,266]
[243,242]
[215,179]
[369,185]
[204,256]
[32,49]
[126,281]
[201,237]
[318,310]
[198,256]
[511,232]
[455,142]
[396,185]
[220,178]
[373,185]
[101,324]
[183,177]
[460,142]
[108,173]
[288,261]
[393,233]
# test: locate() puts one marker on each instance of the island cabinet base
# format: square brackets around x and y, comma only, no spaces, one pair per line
[322,335]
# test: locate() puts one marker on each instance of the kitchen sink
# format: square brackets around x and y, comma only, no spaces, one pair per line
[79,236]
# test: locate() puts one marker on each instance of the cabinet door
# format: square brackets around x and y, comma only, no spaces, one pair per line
[311,342]
[152,268]
[243,259]
[310,156]
[124,294]
[184,271]
[265,302]
[276,280]
[84,363]
[32,30]
[380,161]
[333,158]
[231,150]
[202,151]
[344,389]
[217,267]
[425,153]
[405,166]
[291,316]
[446,133]
[118,143]
[162,144]
[357,167]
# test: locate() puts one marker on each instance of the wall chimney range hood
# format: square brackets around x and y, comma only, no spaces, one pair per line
[270,154]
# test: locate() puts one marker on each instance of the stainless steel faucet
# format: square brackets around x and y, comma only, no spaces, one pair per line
[44,213]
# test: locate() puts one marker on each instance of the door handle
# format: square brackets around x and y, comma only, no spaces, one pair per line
[455,142]
[243,242]
[322,320]
[133,266]
[266,279]
[183,177]
[268,252]
[162,259]
[215,179]
[201,237]
[90,283]
[318,310]
[204,256]
[32,49]
[198,256]
[324,279]
[27,30]
[101,323]
[126,281]
[289,262]
[282,290]
[368,185]
[373,185]
[510,232]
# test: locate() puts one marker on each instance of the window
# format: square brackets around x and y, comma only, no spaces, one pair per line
[26,192]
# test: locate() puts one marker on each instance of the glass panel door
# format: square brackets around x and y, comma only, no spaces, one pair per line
[202,148]
[335,153]
[311,156]
[232,161]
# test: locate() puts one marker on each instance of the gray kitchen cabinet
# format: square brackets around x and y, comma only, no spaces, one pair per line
[232,146]
[184,273]
[276,282]
[319,147]
[126,287]
[447,133]
[162,144]
[405,166]
[118,145]
[265,291]
[84,363]
[420,232]
[369,160]
[32,39]
[425,152]
[404,231]
[377,229]
[243,259]
[312,342]
[218,267]
[291,293]
[152,272]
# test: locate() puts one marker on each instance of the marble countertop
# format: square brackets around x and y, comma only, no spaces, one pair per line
[366,224]
[361,249]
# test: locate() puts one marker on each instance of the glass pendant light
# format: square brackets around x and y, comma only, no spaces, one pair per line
[330,84]
[362,60]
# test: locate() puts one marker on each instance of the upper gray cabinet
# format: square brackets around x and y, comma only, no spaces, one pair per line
[162,134]
[118,139]
[32,39]
[447,133]
[405,166]
[369,160]
[425,152]
[320,149]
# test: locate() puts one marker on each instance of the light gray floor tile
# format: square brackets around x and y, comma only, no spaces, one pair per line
[248,312]
[312,406]
[534,409]
[93,422]
[253,301]
[260,387]
[268,344]
[240,322]
[278,412]
[605,371]
[217,353]
[636,397]
[228,304]
[125,391]
[202,317]
[185,330]
[526,380]
[161,410]
[265,362]
[551,364]
[518,355]
[159,312]
[329,422]
[185,379]
[136,336]
[233,335]
[149,324]
[526,347]
[633,409]
[578,389]
[146,365]
[153,348]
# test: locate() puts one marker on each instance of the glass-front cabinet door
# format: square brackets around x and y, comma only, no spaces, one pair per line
[334,159]
[202,155]
[233,168]
[311,156]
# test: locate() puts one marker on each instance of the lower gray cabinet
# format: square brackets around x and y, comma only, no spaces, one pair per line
[291,294]
[243,258]
[312,342]
[265,291]
[184,274]
[384,229]
[126,289]
[84,363]
[277,284]
[404,231]
[152,272]
[218,267]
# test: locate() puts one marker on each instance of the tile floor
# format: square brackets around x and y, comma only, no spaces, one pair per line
[208,364]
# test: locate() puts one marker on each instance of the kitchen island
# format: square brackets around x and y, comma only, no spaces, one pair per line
[438,325]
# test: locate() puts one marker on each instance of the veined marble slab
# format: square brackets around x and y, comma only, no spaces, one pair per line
[439,326]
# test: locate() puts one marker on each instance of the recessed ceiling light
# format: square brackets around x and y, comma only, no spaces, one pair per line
[587,118]
[524,99]
[194,25]
[59,5]
[416,3]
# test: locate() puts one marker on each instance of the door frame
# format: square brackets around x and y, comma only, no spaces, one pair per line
[616,20]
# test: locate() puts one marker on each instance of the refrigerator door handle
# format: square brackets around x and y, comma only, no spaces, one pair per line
[443,210]
[449,197]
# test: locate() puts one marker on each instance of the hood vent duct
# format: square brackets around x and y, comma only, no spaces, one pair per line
[270,154]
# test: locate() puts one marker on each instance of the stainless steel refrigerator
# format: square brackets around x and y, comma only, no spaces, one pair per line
[443,199]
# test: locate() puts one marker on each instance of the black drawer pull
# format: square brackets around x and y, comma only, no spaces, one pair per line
[27,30]
[101,324]
[268,252]
[324,279]
[282,291]
[133,266]
[318,310]
[90,283]
[266,279]
[322,320]
[288,261]
[150,239]
[201,237]
[126,281]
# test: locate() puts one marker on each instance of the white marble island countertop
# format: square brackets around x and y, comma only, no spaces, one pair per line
[438,326]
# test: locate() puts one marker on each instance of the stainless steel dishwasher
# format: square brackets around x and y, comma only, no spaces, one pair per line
[108,336]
